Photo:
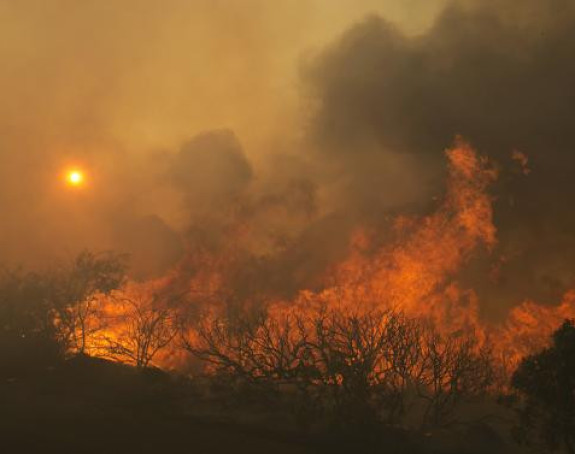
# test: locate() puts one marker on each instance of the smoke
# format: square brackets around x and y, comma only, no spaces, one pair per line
[245,133]
[497,72]
[117,87]
[211,170]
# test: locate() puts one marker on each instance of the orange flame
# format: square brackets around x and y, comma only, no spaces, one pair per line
[414,272]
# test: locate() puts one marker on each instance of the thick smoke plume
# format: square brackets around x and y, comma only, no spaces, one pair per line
[500,74]
[118,87]
[234,181]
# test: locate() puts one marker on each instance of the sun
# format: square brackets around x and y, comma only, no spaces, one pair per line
[75,177]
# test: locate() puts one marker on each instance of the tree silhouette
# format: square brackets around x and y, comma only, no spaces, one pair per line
[359,368]
[44,315]
[146,325]
[75,288]
[28,337]
[547,382]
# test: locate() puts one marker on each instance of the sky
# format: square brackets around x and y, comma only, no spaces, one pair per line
[303,119]
[111,86]
[145,73]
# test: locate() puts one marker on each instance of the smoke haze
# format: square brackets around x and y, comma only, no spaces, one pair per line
[270,131]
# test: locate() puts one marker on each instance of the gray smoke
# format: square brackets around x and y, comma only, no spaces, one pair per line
[500,73]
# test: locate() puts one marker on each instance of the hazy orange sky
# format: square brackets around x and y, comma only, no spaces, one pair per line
[145,72]
[105,83]
[299,118]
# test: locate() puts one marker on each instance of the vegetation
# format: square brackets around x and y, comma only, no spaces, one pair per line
[546,382]
[358,370]
[147,326]
[335,378]
[46,315]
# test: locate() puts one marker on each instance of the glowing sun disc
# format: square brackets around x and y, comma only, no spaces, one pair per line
[75,177]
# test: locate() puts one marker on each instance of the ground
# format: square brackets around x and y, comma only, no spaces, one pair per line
[86,405]
[104,408]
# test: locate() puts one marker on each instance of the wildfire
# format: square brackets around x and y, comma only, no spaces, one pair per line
[414,273]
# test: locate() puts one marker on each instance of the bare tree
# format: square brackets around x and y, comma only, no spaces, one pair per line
[144,327]
[400,367]
[76,293]
[361,367]
[455,368]
[256,348]
[330,357]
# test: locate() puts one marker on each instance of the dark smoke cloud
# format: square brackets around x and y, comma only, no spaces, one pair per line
[501,74]
[259,228]
[385,105]
[153,246]
[102,84]
[212,171]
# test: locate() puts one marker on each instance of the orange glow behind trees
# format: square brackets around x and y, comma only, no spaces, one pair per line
[414,274]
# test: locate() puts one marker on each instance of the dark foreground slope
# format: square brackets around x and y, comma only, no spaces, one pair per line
[87,405]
